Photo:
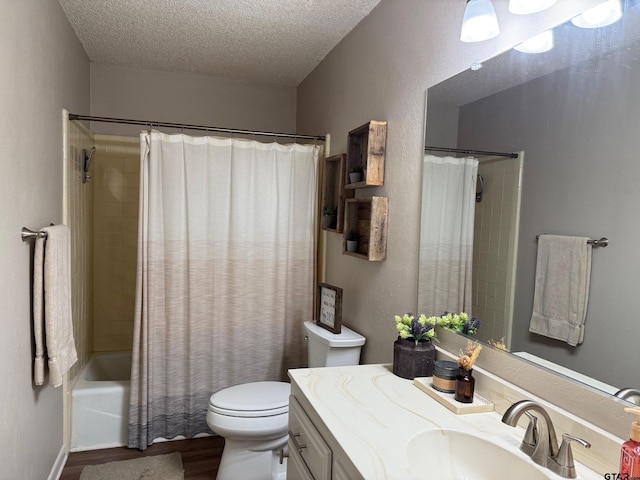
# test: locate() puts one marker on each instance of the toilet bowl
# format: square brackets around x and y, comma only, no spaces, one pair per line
[253,417]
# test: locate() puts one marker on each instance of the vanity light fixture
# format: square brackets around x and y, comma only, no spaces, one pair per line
[601,15]
[543,42]
[479,22]
[525,7]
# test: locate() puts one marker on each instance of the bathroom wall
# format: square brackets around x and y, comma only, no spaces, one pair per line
[173,97]
[44,70]
[495,247]
[115,213]
[381,71]
[77,214]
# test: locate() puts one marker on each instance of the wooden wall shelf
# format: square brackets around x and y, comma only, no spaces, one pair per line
[368,217]
[366,149]
[333,191]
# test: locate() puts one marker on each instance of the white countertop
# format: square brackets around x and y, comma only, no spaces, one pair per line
[373,413]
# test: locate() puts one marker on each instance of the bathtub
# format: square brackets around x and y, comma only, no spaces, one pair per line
[100,402]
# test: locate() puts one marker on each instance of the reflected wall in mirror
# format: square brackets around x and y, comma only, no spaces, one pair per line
[574,112]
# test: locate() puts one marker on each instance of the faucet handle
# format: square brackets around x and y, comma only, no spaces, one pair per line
[564,459]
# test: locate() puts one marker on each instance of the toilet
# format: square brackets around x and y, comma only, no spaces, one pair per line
[253,417]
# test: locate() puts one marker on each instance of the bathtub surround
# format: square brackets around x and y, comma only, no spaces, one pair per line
[115,181]
[226,256]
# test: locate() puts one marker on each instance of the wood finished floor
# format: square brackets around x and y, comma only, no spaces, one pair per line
[200,457]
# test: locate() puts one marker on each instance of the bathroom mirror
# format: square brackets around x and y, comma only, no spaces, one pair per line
[575,113]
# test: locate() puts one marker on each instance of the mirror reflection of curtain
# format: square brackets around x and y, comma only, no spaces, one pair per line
[446,234]
[225,273]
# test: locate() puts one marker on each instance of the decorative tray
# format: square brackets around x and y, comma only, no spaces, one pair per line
[479,404]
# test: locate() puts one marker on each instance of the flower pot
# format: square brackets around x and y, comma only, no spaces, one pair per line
[411,360]
[355,177]
[352,245]
[329,221]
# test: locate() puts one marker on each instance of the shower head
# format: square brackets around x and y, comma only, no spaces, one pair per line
[86,163]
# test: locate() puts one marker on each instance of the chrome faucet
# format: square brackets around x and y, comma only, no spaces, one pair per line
[540,441]
[628,394]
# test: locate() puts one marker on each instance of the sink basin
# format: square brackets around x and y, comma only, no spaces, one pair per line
[453,454]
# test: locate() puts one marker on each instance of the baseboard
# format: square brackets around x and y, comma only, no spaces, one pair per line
[58,466]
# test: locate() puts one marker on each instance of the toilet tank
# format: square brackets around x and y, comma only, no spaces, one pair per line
[328,349]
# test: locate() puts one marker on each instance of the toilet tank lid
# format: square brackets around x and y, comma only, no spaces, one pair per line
[253,396]
[346,337]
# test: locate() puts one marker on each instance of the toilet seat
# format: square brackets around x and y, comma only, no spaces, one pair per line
[253,400]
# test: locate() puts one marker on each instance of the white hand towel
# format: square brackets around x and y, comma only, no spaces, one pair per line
[58,325]
[563,274]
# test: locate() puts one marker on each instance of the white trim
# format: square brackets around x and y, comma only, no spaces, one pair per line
[58,466]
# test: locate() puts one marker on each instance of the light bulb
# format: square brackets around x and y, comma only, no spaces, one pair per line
[601,15]
[543,42]
[479,22]
[525,7]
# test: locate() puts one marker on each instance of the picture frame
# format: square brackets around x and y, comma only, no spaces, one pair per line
[329,313]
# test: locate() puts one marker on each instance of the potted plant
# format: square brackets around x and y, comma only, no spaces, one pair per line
[459,322]
[355,174]
[352,242]
[329,217]
[413,352]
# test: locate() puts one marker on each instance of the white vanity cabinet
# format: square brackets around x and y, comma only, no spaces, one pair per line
[313,452]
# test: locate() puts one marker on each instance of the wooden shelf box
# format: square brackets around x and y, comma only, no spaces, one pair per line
[333,191]
[366,149]
[368,218]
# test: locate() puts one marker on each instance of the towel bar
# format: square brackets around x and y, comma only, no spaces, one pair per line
[27,234]
[602,242]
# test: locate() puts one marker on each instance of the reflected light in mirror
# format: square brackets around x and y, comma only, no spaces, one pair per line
[525,7]
[543,42]
[601,15]
[479,22]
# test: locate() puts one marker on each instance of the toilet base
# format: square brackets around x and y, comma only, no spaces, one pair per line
[239,462]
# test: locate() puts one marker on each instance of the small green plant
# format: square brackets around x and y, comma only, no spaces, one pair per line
[330,211]
[353,236]
[355,169]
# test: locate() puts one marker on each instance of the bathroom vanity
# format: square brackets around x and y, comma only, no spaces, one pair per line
[365,422]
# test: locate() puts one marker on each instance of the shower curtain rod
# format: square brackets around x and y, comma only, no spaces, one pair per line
[73,116]
[469,152]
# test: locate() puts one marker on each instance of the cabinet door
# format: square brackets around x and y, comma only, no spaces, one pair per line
[296,469]
[305,439]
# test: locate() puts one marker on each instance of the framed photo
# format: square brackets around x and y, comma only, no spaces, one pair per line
[329,307]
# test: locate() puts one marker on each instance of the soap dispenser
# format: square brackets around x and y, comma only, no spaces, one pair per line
[630,453]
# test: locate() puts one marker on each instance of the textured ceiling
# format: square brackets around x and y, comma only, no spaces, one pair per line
[269,41]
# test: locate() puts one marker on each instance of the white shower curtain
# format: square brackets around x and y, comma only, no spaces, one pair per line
[446,234]
[226,255]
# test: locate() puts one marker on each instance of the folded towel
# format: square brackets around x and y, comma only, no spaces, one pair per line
[38,311]
[54,269]
[563,274]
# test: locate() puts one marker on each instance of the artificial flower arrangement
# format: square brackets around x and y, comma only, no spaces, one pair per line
[460,322]
[469,356]
[419,329]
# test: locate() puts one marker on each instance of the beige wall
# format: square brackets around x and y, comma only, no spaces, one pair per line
[44,70]
[381,71]
[187,98]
